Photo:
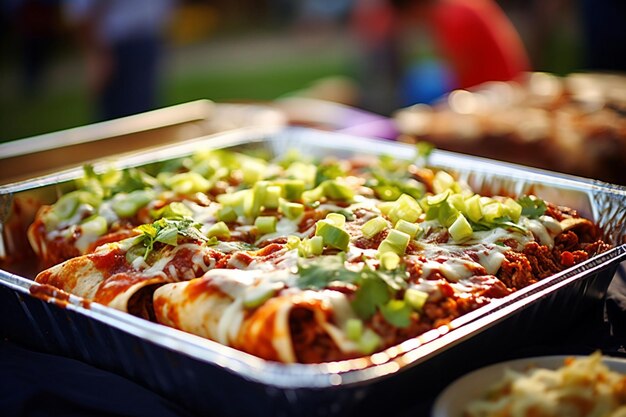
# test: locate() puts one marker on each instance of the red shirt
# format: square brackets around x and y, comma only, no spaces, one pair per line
[478,41]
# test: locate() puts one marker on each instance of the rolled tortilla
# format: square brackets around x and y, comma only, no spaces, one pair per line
[106,277]
[214,307]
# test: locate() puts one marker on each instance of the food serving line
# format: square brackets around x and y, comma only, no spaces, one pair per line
[68,386]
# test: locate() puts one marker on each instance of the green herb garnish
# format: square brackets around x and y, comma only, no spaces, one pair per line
[167,231]
[532,208]
[320,272]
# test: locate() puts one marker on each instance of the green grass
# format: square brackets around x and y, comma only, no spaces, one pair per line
[263,84]
[61,110]
[20,117]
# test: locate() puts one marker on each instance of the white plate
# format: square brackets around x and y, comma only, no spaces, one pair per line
[452,401]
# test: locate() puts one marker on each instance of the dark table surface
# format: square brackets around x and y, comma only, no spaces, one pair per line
[40,384]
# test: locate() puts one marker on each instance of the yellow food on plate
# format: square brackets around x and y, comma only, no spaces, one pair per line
[582,387]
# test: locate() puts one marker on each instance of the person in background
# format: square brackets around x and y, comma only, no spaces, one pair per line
[123,43]
[372,23]
[473,41]
[442,45]
[36,24]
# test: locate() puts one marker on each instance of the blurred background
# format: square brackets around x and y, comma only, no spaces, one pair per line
[69,63]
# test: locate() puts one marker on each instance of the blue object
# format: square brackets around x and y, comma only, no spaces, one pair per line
[425,81]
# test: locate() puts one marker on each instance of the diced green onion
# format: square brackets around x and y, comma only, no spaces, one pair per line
[273,196]
[291,189]
[415,298]
[473,209]
[397,313]
[461,229]
[447,214]
[66,206]
[370,341]
[227,214]
[127,205]
[385,207]
[396,241]
[433,200]
[373,227]
[405,208]
[333,236]
[335,190]
[302,171]
[354,329]
[111,177]
[310,247]
[388,192]
[253,205]
[233,199]
[399,238]
[316,245]
[236,201]
[389,260]
[457,201]
[444,181]
[253,170]
[94,226]
[174,210]
[512,209]
[492,211]
[292,242]
[291,210]
[265,224]
[219,229]
[187,183]
[255,296]
[311,196]
[409,228]
[337,219]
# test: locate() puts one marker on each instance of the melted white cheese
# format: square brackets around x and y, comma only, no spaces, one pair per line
[202,214]
[159,265]
[227,247]
[173,273]
[539,231]
[281,337]
[106,210]
[284,227]
[455,269]
[230,322]
[83,242]
[550,223]
[491,260]
[198,259]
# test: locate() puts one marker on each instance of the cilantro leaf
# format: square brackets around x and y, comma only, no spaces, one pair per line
[389,186]
[175,210]
[397,313]
[395,279]
[372,293]
[328,171]
[532,207]
[167,231]
[503,222]
[320,272]
[133,179]
[375,287]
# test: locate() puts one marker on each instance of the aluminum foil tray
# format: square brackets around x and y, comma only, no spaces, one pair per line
[51,152]
[212,379]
